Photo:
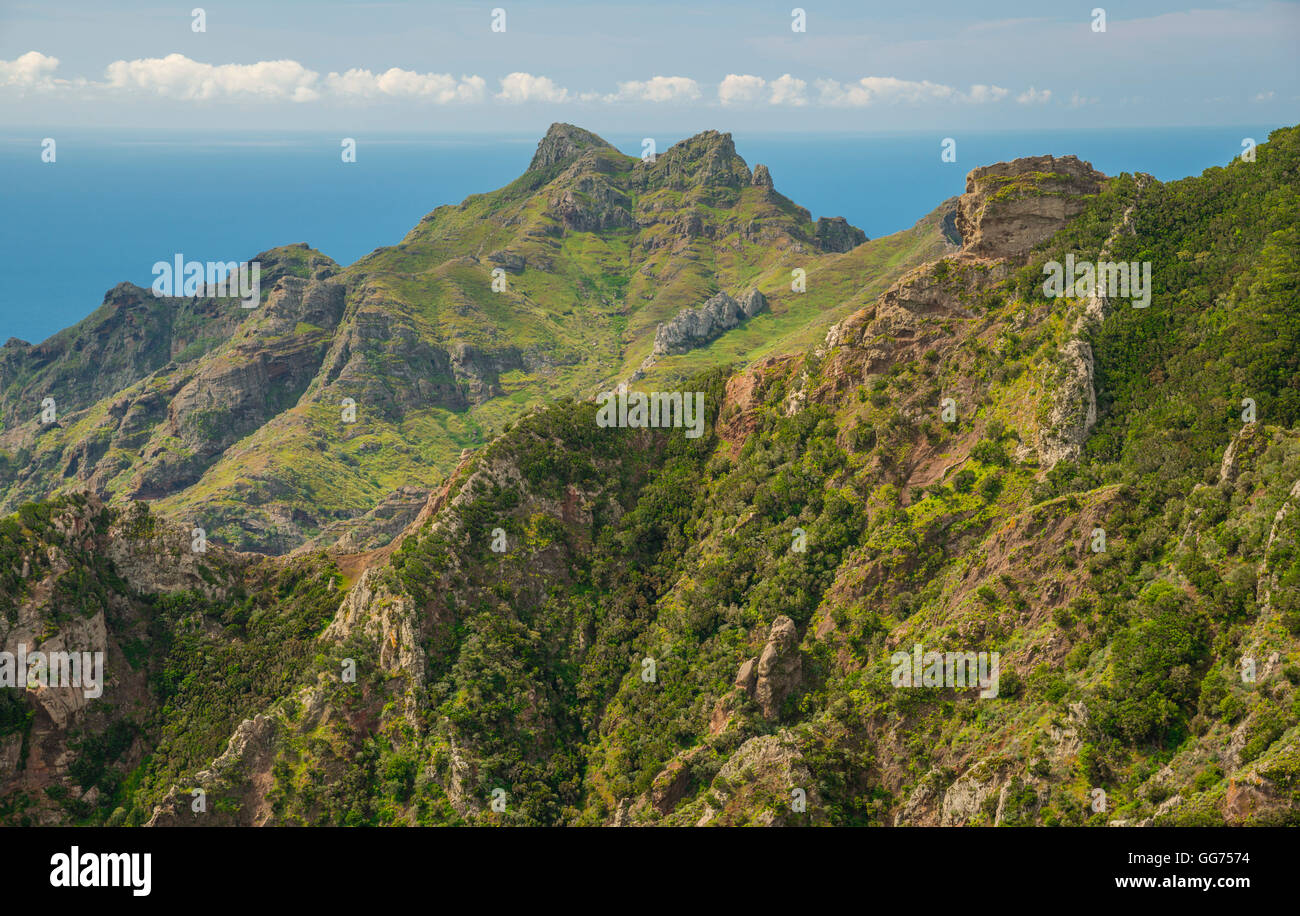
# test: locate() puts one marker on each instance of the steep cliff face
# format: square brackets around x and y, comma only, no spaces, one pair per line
[130,336]
[1072,409]
[265,369]
[1010,208]
[936,311]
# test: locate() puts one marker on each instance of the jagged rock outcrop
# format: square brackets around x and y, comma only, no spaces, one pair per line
[833,233]
[1244,443]
[747,676]
[388,620]
[509,260]
[1007,209]
[673,782]
[249,749]
[587,197]
[1072,408]
[1071,391]
[266,369]
[762,177]
[948,224]
[562,143]
[591,207]
[1011,207]
[769,767]
[707,160]
[779,669]
[692,328]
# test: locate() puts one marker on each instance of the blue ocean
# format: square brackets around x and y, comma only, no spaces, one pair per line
[114,203]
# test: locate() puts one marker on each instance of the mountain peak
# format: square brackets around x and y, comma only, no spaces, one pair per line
[708,158]
[562,143]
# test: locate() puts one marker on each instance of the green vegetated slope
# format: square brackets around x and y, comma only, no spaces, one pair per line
[700,631]
[233,419]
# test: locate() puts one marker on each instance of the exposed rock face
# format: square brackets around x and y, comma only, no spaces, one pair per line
[1242,444]
[480,371]
[388,620]
[771,677]
[835,234]
[139,560]
[269,366]
[562,143]
[981,795]
[671,785]
[707,160]
[1011,207]
[1073,410]
[780,667]
[738,418]
[762,177]
[1007,210]
[1268,578]
[964,799]
[747,676]
[377,527]
[771,766]
[692,328]
[592,205]
[509,260]
[249,749]
[949,224]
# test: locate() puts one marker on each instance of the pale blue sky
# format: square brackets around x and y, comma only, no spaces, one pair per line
[648,66]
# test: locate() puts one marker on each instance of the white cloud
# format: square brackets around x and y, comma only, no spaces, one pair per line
[788,91]
[32,69]
[1032,96]
[176,76]
[744,89]
[442,88]
[1264,97]
[980,93]
[657,89]
[1078,101]
[524,87]
[871,90]
[737,88]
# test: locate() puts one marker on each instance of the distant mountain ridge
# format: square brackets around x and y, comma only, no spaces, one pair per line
[230,419]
